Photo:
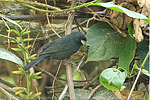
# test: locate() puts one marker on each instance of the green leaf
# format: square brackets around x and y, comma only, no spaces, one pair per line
[130,29]
[34,76]
[104,42]
[27,47]
[112,79]
[14,31]
[32,57]
[24,33]
[130,13]
[135,66]
[36,95]
[20,71]
[5,54]
[142,51]
[23,49]
[127,53]
[28,39]
[17,49]
[11,21]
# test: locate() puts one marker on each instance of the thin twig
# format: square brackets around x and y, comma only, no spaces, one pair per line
[10,90]
[59,11]
[51,27]
[40,4]
[93,91]
[90,82]
[79,65]
[70,82]
[43,17]
[63,92]
[55,79]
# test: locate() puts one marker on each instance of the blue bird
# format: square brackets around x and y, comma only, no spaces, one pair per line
[60,48]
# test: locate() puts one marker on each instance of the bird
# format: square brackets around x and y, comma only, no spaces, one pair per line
[60,48]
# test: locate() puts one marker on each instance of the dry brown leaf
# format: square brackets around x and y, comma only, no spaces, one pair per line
[141,2]
[143,24]
[121,20]
[138,32]
[123,95]
[147,4]
[144,3]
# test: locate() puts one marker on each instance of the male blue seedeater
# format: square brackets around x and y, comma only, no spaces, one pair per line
[60,48]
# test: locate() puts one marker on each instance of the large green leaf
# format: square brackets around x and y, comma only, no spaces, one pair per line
[6,55]
[104,42]
[142,51]
[127,53]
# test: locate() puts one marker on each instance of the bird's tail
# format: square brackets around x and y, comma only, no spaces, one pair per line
[35,61]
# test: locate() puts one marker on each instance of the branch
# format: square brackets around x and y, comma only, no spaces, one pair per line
[8,95]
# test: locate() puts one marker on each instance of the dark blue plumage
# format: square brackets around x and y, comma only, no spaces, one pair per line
[60,48]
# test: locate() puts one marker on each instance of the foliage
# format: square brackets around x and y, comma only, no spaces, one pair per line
[105,43]
[21,90]
[12,57]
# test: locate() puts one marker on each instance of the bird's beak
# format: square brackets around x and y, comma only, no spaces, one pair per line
[83,42]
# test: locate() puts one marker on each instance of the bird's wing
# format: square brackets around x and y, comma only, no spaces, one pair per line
[58,45]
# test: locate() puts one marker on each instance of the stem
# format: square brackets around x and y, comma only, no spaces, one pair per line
[26,74]
[70,82]
[59,11]
[28,86]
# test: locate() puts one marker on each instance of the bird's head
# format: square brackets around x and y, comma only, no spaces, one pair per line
[79,37]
